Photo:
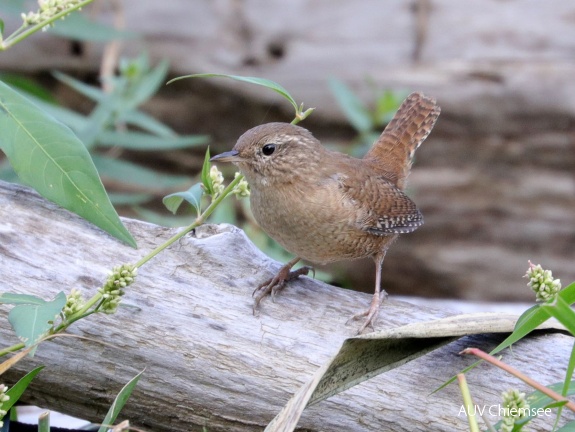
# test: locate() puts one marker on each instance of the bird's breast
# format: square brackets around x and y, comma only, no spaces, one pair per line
[313,221]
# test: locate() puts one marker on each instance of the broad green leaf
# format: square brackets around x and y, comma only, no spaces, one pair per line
[15,299]
[353,108]
[252,80]
[193,195]
[77,27]
[70,118]
[119,403]
[131,174]
[16,391]
[1,29]
[32,321]
[143,141]
[49,157]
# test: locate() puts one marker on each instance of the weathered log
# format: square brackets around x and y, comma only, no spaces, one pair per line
[208,361]
[494,180]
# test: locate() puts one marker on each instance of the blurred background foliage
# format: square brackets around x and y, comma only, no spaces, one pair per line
[123,138]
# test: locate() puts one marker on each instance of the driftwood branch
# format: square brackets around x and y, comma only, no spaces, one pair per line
[208,361]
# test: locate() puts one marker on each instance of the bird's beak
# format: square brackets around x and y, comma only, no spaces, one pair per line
[230,156]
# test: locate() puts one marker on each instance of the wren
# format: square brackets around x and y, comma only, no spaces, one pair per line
[324,206]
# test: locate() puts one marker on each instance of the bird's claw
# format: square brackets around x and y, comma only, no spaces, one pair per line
[372,313]
[272,286]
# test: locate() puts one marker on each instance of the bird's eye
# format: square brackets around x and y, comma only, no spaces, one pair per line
[268,149]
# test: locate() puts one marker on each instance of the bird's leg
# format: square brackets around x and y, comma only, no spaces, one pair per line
[378,297]
[273,285]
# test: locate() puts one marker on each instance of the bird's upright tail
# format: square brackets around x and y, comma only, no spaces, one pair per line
[393,152]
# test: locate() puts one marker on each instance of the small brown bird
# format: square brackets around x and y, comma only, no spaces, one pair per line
[324,206]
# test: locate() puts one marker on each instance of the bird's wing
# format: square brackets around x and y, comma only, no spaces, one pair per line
[393,152]
[382,208]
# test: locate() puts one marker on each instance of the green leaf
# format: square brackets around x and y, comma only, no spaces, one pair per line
[119,403]
[540,400]
[1,29]
[352,107]
[32,321]
[193,195]
[252,80]
[142,141]
[205,176]
[91,92]
[49,157]
[561,311]
[70,118]
[15,299]
[147,85]
[131,174]
[386,106]
[533,318]
[16,391]
[146,123]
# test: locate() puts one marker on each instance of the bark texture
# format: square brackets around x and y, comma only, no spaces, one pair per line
[209,362]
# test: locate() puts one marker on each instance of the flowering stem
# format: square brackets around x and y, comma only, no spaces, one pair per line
[199,221]
[546,391]
[24,31]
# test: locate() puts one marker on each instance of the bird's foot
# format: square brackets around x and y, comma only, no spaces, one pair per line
[372,313]
[275,284]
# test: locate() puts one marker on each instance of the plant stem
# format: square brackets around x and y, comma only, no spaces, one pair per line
[468,401]
[546,391]
[24,31]
[12,348]
[299,116]
[44,422]
[199,220]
